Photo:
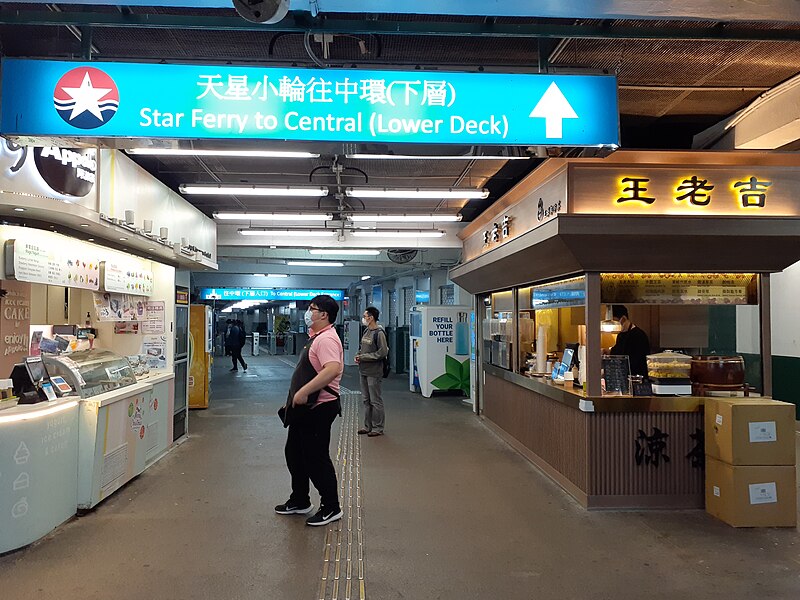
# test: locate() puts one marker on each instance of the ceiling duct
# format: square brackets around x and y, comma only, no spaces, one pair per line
[262,11]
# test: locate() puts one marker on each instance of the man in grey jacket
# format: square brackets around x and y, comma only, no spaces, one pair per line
[374,349]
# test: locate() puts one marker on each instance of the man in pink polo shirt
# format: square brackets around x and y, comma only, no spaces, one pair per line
[311,407]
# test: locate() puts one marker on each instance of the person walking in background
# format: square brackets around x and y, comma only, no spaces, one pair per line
[373,351]
[233,343]
[242,338]
[311,407]
[226,336]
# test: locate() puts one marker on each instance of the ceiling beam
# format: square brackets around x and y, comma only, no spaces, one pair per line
[302,22]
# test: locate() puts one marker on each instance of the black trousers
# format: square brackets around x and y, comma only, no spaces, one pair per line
[236,354]
[308,456]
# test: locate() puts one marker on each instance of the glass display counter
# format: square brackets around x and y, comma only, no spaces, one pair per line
[91,372]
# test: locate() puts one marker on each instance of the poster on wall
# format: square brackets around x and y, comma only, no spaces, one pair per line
[53,259]
[127,277]
[15,321]
[155,348]
[154,318]
[118,307]
[127,327]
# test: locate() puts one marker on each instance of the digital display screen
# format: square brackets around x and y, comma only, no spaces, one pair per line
[35,368]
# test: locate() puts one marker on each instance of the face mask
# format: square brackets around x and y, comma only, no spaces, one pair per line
[307,318]
[364,321]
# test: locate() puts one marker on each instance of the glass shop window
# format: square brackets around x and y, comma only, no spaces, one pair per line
[551,320]
[497,329]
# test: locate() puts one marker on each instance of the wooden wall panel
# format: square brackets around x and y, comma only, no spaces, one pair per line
[667,470]
[554,432]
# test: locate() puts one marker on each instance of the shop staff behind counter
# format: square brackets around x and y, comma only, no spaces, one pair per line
[632,341]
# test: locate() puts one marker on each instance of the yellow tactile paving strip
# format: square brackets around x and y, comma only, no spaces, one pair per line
[343,566]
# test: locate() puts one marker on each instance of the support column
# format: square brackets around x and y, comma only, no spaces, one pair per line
[593,349]
[765,314]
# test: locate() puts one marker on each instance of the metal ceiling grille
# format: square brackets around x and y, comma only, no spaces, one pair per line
[447,295]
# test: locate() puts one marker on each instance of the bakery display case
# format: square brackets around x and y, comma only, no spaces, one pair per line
[91,372]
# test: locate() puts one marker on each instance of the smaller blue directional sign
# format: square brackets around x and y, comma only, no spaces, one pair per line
[266,294]
[103,99]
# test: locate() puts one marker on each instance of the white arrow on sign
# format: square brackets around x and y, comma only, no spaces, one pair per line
[553,108]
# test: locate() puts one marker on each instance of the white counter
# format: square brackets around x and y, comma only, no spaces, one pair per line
[38,468]
[121,432]
[56,457]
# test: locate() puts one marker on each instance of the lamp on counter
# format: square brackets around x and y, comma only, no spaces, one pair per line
[609,325]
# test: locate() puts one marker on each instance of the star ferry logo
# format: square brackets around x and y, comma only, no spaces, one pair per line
[86,97]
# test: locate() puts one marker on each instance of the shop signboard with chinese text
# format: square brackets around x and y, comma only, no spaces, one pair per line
[104,99]
[266,294]
[533,209]
[692,190]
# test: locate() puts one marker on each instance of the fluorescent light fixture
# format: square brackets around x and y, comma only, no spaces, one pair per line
[19,209]
[428,233]
[350,251]
[314,263]
[216,189]
[277,275]
[244,216]
[289,232]
[365,277]
[429,218]
[259,275]
[434,194]
[220,153]
[411,157]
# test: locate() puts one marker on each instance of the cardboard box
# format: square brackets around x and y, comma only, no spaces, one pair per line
[751,496]
[750,431]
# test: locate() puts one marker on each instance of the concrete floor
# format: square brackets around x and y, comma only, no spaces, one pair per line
[449,511]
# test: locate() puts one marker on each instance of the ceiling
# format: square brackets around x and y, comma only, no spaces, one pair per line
[676,78]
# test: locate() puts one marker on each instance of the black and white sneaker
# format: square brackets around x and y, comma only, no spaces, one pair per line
[325,516]
[289,508]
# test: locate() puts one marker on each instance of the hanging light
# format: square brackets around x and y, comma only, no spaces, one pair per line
[609,325]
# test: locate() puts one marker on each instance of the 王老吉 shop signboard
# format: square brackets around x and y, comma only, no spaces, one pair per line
[105,99]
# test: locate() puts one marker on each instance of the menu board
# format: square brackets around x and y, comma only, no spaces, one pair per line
[679,288]
[616,375]
[127,277]
[53,259]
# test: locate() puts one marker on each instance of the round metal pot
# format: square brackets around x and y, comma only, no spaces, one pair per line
[718,370]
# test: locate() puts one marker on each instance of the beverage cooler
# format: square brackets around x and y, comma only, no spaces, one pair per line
[201,346]
[439,349]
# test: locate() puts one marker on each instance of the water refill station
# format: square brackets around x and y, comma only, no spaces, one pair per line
[439,349]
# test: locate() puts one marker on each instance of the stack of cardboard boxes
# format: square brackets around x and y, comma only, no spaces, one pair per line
[750,462]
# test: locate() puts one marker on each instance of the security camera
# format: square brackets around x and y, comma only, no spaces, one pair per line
[262,11]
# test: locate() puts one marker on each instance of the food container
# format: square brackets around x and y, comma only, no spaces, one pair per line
[718,370]
[669,365]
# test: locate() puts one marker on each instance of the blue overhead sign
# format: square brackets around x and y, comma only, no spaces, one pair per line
[266,294]
[53,98]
